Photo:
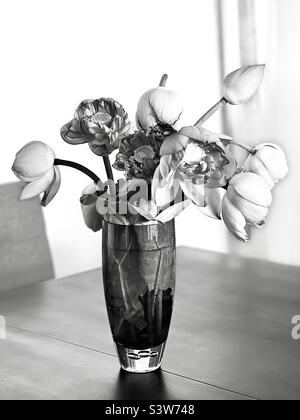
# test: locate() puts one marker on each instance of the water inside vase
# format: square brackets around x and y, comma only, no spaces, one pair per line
[139,282]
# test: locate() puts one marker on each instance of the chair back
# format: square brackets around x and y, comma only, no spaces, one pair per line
[25,256]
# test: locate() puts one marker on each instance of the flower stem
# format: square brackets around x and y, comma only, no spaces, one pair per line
[78,167]
[108,168]
[163,80]
[211,112]
[222,102]
[248,149]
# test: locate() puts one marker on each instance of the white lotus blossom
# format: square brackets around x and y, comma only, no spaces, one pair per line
[247,201]
[159,110]
[34,164]
[268,161]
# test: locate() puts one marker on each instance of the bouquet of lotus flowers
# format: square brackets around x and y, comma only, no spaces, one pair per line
[166,167]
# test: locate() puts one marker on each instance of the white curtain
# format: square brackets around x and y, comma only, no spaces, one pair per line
[268,31]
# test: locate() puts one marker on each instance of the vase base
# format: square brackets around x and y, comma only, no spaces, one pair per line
[141,361]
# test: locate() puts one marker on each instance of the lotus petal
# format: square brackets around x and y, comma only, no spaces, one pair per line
[173,211]
[254,214]
[72,133]
[173,144]
[38,186]
[234,220]
[53,188]
[146,209]
[194,192]
[213,199]
[269,162]
[164,191]
[255,165]
[165,165]
[252,188]
[199,134]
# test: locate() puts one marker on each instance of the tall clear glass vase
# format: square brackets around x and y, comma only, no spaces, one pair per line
[139,272]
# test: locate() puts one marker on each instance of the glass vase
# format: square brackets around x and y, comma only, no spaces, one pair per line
[139,273]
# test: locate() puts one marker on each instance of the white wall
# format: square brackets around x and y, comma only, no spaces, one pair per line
[56,53]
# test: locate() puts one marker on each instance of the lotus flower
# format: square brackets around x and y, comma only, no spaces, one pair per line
[34,164]
[159,111]
[241,85]
[246,201]
[204,161]
[101,123]
[268,161]
[193,160]
[139,155]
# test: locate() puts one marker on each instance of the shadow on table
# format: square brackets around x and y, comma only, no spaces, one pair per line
[149,386]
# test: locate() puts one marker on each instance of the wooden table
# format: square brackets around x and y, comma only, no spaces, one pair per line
[230,337]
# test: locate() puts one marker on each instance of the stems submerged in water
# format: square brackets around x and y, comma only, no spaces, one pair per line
[139,280]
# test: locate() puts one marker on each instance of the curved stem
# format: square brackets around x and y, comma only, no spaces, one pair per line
[211,112]
[108,168]
[78,167]
[248,149]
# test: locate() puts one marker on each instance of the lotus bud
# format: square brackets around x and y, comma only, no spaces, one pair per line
[252,188]
[33,160]
[241,85]
[268,161]
[159,110]
[246,201]
[34,164]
